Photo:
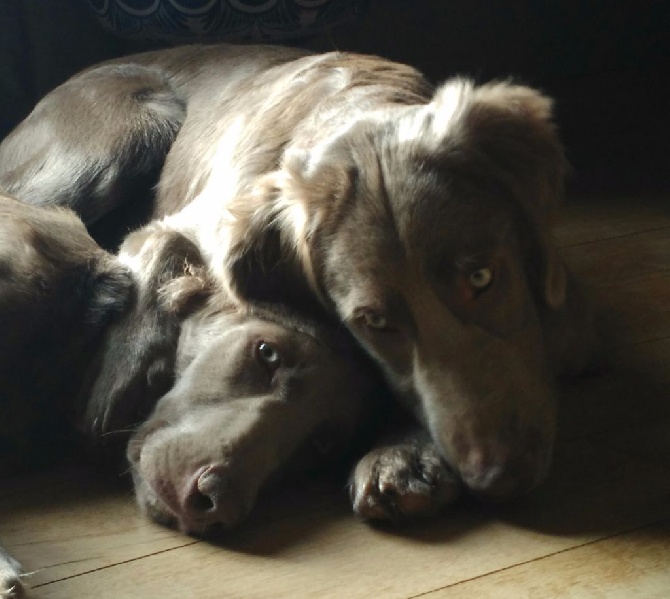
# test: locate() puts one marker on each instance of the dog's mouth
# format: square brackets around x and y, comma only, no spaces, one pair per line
[496,471]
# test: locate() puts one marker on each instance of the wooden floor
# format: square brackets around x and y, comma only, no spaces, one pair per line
[599,528]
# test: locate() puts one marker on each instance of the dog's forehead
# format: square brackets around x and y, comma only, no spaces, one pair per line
[232,334]
[418,205]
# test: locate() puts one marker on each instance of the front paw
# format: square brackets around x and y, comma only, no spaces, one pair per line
[406,480]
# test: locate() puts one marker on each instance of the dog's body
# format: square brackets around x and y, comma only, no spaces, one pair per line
[348,185]
[59,291]
[227,396]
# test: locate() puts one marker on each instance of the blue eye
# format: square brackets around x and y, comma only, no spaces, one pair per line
[268,354]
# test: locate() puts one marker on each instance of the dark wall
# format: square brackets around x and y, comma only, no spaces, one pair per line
[606,62]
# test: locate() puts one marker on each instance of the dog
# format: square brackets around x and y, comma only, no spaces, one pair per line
[256,390]
[58,292]
[222,397]
[347,185]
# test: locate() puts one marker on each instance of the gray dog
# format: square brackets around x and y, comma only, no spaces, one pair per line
[222,397]
[419,217]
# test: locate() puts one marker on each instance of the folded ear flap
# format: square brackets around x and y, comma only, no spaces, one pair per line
[506,132]
[135,364]
[262,250]
[271,254]
[112,291]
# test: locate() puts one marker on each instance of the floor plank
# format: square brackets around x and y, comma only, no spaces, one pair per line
[594,492]
[75,526]
[621,567]
[631,389]
[585,220]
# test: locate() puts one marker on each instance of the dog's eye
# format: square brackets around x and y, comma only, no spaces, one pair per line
[374,320]
[268,354]
[481,279]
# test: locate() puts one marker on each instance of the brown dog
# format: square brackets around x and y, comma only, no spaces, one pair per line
[94,341]
[420,217]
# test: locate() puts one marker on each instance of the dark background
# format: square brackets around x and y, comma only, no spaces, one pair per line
[605,62]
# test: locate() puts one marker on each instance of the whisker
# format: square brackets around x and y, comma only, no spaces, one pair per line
[120,431]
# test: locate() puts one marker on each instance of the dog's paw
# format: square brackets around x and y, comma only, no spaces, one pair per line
[407,480]
[11,586]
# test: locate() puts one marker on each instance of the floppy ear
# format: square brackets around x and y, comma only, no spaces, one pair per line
[135,364]
[508,132]
[112,290]
[271,255]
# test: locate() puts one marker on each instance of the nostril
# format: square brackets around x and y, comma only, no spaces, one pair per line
[201,492]
[200,503]
[209,498]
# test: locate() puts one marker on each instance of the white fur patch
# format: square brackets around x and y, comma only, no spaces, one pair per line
[413,126]
[431,123]
[295,216]
[448,104]
[131,261]
[206,220]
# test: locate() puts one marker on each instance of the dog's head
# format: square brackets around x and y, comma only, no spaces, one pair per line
[58,293]
[256,392]
[426,229]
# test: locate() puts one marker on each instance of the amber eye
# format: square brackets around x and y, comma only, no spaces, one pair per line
[481,279]
[374,320]
[268,354]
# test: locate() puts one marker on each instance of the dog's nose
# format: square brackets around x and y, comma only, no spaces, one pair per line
[202,499]
[495,480]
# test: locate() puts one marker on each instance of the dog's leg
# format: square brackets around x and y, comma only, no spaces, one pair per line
[94,142]
[403,478]
[11,586]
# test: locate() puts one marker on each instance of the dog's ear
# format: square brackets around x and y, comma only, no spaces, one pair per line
[506,131]
[111,290]
[135,364]
[271,257]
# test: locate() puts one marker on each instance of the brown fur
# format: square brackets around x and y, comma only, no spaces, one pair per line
[347,184]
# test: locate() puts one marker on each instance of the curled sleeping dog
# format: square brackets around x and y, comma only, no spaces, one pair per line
[419,216]
[58,292]
[255,390]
